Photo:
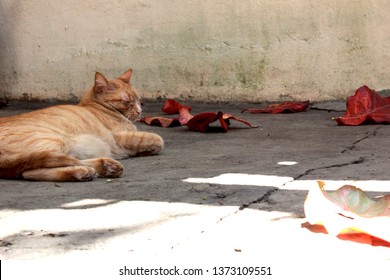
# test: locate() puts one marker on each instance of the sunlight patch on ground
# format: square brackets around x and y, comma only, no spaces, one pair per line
[87,203]
[243,179]
[288,183]
[287,163]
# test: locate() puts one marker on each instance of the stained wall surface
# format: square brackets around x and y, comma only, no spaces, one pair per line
[210,50]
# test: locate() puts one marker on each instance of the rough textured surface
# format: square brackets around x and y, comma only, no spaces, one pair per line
[217,196]
[204,50]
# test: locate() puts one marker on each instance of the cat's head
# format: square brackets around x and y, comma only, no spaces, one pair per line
[118,94]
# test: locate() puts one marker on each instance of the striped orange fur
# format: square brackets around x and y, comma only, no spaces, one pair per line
[77,142]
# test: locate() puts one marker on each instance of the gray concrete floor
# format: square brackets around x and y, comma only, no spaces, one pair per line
[207,195]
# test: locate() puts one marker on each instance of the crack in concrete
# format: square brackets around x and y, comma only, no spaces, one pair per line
[246,205]
[307,172]
[228,215]
[265,197]
[326,110]
[261,199]
[269,193]
[353,146]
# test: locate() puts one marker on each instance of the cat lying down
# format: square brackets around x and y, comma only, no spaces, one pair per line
[77,142]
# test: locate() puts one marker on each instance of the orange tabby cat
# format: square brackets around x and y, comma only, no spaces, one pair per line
[77,142]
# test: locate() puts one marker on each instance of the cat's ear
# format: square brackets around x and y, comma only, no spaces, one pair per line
[126,76]
[101,83]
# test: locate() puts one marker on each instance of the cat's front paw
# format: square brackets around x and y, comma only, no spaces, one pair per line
[153,145]
[156,145]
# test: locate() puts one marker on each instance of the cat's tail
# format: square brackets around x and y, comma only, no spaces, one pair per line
[12,166]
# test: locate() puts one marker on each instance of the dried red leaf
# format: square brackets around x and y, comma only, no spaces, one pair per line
[314,228]
[285,107]
[173,107]
[364,107]
[231,117]
[359,237]
[364,238]
[161,121]
[184,115]
[201,122]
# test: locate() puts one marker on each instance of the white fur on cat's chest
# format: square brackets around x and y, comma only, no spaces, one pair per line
[88,146]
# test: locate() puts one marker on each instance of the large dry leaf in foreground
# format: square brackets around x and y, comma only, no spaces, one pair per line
[364,107]
[349,213]
[285,107]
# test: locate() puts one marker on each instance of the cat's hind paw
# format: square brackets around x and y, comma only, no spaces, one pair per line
[83,173]
[105,167]
[61,174]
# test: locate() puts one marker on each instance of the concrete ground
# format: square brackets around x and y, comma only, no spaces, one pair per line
[220,197]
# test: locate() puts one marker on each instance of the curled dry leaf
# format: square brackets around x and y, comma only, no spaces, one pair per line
[285,107]
[199,123]
[161,121]
[349,214]
[364,107]
[184,115]
[173,107]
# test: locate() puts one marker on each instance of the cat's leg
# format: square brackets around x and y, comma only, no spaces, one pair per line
[61,174]
[94,152]
[102,167]
[16,164]
[139,142]
[105,167]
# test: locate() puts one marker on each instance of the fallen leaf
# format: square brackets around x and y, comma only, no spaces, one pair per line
[349,214]
[314,228]
[161,121]
[359,237]
[201,122]
[357,203]
[364,238]
[364,107]
[184,115]
[285,107]
[231,117]
[173,107]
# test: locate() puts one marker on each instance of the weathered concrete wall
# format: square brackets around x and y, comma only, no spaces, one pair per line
[216,50]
